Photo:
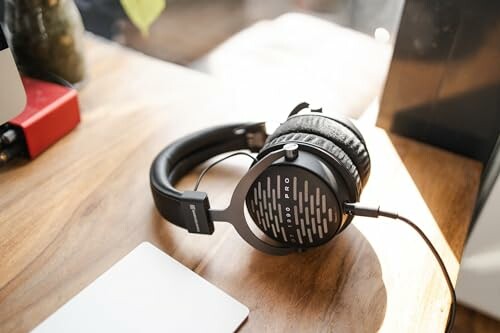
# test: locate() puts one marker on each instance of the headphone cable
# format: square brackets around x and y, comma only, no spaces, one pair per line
[362,210]
[202,174]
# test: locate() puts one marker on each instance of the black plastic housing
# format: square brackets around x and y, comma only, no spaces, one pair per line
[299,202]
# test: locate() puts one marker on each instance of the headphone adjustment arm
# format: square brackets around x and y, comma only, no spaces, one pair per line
[255,134]
[195,207]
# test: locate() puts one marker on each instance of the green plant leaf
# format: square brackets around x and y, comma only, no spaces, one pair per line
[143,12]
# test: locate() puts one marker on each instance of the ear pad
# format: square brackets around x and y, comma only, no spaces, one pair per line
[330,135]
[322,143]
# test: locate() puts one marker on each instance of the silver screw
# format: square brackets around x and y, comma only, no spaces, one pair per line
[291,151]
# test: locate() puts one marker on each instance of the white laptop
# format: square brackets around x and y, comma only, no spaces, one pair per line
[148,291]
[12,94]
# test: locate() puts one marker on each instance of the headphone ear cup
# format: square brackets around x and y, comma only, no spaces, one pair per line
[315,128]
[321,143]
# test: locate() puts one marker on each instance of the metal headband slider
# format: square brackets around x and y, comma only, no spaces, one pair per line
[195,207]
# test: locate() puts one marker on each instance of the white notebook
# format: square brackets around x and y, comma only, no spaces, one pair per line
[148,291]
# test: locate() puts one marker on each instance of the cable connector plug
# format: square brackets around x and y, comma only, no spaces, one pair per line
[368,211]
[361,210]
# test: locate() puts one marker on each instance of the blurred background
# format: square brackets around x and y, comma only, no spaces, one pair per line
[189,29]
[427,69]
[299,45]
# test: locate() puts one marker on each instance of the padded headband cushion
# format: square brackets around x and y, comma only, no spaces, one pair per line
[321,143]
[184,154]
[339,133]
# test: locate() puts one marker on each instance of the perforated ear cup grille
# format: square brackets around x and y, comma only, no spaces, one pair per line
[338,134]
[321,143]
[294,206]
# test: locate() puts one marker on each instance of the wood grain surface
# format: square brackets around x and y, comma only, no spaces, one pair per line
[68,216]
[470,321]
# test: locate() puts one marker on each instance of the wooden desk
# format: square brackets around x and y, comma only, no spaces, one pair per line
[72,213]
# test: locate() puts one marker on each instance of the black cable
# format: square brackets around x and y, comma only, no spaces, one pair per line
[217,162]
[360,210]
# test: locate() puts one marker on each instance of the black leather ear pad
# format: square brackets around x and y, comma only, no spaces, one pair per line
[322,143]
[337,133]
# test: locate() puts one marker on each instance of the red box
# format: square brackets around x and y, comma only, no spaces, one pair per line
[51,112]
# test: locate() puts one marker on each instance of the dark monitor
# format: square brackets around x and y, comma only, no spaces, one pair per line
[443,86]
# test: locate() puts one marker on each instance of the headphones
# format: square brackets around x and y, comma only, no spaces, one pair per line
[302,190]
[295,192]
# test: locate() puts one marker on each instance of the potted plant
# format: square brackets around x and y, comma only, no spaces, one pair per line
[47,35]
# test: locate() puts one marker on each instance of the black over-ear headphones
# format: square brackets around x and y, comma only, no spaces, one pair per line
[295,192]
[302,190]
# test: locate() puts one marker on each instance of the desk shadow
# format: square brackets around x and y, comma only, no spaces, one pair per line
[337,287]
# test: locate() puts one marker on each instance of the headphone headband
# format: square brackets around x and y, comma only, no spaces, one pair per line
[190,209]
